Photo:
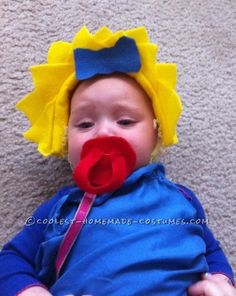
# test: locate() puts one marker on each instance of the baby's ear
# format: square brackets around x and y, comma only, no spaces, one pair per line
[155,124]
[158,150]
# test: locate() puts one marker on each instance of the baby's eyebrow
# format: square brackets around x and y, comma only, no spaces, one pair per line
[117,107]
[127,108]
[81,109]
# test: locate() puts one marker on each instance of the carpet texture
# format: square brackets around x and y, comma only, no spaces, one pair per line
[197,35]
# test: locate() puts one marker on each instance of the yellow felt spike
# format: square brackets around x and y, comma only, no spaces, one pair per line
[81,37]
[59,52]
[138,34]
[167,73]
[46,87]
[84,39]
[104,38]
[148,54]
[103,34]
[51,139]
[44,123]
[32,106]
[109,42]
[48,78]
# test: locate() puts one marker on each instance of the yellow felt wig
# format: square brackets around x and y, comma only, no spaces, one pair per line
[47,106]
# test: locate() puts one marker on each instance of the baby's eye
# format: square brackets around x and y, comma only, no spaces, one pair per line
[126,122]
[85,124]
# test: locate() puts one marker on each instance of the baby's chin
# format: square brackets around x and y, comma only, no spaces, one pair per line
[141,164]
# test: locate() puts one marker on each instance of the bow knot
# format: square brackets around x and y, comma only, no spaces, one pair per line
[122,57]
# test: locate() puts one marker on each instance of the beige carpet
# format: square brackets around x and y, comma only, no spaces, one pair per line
[198,35]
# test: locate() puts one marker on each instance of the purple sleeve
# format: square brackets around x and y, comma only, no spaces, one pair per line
[215,256]
[17,267]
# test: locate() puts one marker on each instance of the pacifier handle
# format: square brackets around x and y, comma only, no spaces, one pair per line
[73,231]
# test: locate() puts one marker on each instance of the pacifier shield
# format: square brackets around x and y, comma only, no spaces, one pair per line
[104,164]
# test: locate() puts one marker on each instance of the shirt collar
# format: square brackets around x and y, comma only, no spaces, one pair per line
[153,170]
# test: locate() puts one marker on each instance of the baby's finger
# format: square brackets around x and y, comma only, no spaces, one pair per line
[217,277]
[206,288]
[224,285]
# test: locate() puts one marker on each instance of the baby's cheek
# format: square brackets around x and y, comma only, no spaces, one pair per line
[74,151]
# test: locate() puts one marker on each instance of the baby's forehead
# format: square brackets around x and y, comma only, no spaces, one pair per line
[108,80]
[112,84]
[118,90]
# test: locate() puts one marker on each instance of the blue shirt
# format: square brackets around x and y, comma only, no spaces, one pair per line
[155,254]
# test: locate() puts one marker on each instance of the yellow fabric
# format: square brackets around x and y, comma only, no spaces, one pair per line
[47,106]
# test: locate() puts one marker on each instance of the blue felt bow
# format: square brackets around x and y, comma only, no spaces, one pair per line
[122,57]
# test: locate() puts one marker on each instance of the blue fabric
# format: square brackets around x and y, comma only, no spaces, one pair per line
[139,258]
[214,253]
[17,267]
[17,258]
[122,57]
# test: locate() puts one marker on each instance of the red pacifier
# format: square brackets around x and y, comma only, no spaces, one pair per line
[104,164]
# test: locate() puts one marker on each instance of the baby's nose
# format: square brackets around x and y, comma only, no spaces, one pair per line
[101,134]
[105,130]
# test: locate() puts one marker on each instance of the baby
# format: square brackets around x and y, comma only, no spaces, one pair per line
[124,228]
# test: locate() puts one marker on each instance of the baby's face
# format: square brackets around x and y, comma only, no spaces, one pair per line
[113,105]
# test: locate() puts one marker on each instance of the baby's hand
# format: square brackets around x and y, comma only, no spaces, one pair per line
[35,291]
[212,285]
